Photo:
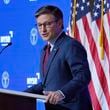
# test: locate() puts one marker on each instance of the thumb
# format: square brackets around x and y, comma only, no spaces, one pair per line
[45,92]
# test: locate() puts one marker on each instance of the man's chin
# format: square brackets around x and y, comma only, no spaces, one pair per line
[45,38]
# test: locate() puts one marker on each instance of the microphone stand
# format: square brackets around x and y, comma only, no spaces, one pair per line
[5,47]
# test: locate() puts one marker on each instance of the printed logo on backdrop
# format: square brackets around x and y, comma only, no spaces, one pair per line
[33,80]
[6,1]
[6,39]
[5,79]
[33,36]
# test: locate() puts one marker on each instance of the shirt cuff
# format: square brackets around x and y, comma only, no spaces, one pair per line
[61,93]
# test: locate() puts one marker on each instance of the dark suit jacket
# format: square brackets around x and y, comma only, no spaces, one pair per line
[68,71]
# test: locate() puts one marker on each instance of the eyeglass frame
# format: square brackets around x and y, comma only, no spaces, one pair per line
[46,24]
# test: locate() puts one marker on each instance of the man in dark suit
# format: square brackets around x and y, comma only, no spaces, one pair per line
[64,66]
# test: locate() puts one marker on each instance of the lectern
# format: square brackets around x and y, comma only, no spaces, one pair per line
[15,100]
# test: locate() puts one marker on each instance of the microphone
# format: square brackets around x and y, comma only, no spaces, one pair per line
[10,43]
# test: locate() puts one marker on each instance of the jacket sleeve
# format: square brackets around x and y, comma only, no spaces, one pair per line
[36,89]
[77,60]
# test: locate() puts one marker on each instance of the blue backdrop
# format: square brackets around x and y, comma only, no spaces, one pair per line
[19,63]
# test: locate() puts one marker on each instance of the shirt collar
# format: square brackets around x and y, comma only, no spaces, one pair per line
[52,42]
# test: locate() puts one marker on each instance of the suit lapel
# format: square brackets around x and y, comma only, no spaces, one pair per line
[54,51]
[42,60]
[52,55]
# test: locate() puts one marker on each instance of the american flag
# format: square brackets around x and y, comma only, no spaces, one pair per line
[87,24]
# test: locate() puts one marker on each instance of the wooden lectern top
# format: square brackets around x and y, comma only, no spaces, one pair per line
[15,100]
[18,93]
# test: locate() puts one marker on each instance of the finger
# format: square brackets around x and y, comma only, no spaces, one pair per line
[56,99]
[48,97]
[53,98]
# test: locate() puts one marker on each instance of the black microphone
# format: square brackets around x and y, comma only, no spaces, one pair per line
[10,43]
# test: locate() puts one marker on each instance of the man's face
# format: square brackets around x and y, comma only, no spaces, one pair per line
[48,26]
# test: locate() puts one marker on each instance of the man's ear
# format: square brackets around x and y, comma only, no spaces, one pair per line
[60,23]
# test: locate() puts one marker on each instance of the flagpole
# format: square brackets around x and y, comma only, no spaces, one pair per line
[74,17]
[101,37]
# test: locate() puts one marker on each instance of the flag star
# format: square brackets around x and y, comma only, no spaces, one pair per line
[105,1]
[73,7]
[83,1]
[76,13]
[77,5]
[82,8]
[107,5]
[73,15]
[98,6]
[94,3]
[88,3]
[95,14]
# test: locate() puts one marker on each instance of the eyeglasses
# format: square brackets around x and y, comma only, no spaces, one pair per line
[46,24]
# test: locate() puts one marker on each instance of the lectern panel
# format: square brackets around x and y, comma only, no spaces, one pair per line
[14,102]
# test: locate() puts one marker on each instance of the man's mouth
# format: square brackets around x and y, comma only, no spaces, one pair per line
[45,35]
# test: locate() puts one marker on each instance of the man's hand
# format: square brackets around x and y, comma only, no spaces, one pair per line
[53,97]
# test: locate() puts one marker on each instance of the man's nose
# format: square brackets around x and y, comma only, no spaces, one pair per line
[43,28]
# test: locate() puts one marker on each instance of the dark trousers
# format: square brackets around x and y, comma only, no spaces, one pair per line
[59,107]
[54,107]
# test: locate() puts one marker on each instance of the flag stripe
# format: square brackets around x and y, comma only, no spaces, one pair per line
[106,47]
[77,36]
[87,31]
[82,36]
[94,99]
[93,69]
[108,16]
[104,63]
[95,56]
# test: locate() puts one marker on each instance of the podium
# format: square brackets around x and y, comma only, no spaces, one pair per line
[15,100]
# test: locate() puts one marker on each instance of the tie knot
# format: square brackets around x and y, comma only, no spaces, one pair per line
[48,47]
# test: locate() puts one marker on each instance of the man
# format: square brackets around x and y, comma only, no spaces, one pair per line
[65,74]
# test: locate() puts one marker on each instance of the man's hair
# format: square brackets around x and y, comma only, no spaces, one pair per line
[49,9]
